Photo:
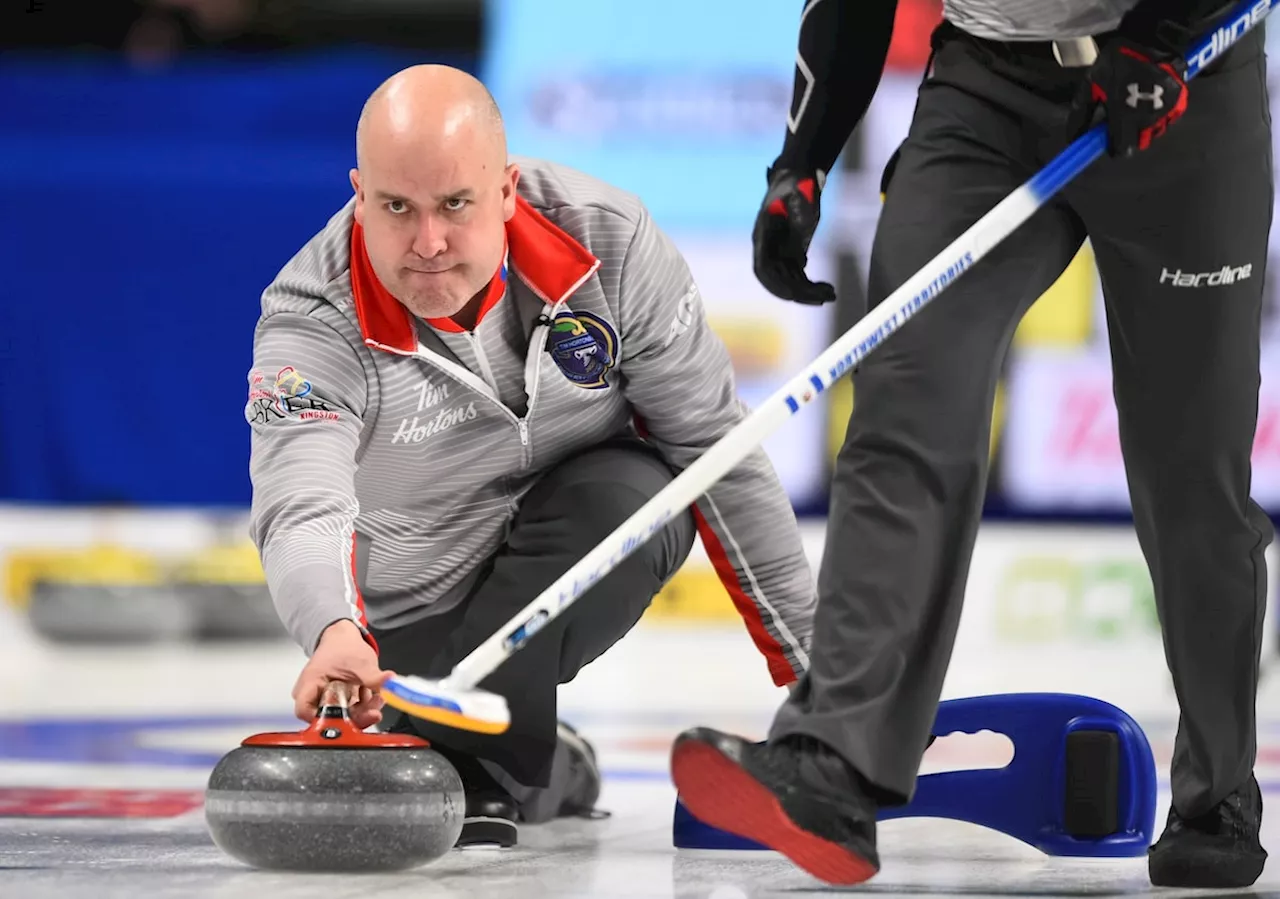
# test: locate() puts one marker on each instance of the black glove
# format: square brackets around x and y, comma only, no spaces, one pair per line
[780,240]
[1142,92]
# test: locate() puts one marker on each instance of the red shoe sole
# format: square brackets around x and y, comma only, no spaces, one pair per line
[721,794]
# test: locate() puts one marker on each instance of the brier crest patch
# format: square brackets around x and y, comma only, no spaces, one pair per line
[584,347]
[288,399]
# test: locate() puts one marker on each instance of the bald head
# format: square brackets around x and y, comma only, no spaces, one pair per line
[433,107]
[434,189]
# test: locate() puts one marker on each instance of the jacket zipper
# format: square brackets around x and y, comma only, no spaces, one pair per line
[536,340]
[522,427]
[486,372]
[536,352]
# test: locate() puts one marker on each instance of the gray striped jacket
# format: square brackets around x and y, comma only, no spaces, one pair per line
[422,440]
[1035,20]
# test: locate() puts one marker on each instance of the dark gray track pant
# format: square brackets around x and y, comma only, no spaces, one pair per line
[571,509]
[909,482]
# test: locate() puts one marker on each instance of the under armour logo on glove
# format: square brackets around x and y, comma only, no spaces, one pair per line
[1155,96]
[1135,117]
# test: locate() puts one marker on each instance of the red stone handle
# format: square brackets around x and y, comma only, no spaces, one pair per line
[334,729]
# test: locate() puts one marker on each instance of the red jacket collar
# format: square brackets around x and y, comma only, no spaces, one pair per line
[546,258]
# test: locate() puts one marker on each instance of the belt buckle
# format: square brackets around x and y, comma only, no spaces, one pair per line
[1076,52]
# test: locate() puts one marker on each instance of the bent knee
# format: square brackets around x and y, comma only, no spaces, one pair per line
[600,490]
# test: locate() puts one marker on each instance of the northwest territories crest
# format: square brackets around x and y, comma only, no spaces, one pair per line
[584,347]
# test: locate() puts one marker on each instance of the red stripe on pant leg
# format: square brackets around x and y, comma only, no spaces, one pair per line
[779,667]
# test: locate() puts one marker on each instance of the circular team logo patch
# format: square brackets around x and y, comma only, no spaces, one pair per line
[584,347]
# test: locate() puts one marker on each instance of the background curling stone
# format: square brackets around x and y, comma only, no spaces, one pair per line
[232,613]
[333,798]
[224,583]
[103,594]
[109,613]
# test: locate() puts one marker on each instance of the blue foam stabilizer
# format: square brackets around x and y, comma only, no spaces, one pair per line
[1026,798]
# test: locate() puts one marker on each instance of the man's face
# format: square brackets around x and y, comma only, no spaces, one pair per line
[434,224]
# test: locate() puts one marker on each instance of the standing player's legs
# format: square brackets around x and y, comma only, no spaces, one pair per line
[907,493]
[910,479]
[1180,233]
[561,518]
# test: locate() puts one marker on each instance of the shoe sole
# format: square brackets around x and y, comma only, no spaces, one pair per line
[1191,873]
[491,833]
[720,793]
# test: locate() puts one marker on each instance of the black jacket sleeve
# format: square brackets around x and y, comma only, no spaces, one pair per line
[1172,25]
[842,50]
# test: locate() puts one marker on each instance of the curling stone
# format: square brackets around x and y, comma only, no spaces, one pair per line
[334,798]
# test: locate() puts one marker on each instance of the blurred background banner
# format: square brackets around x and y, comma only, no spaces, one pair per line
[684,104]
[686,111]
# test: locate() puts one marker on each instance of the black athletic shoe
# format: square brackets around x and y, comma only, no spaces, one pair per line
[489,821]
[795,796]
[1218,850]
[582,791]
